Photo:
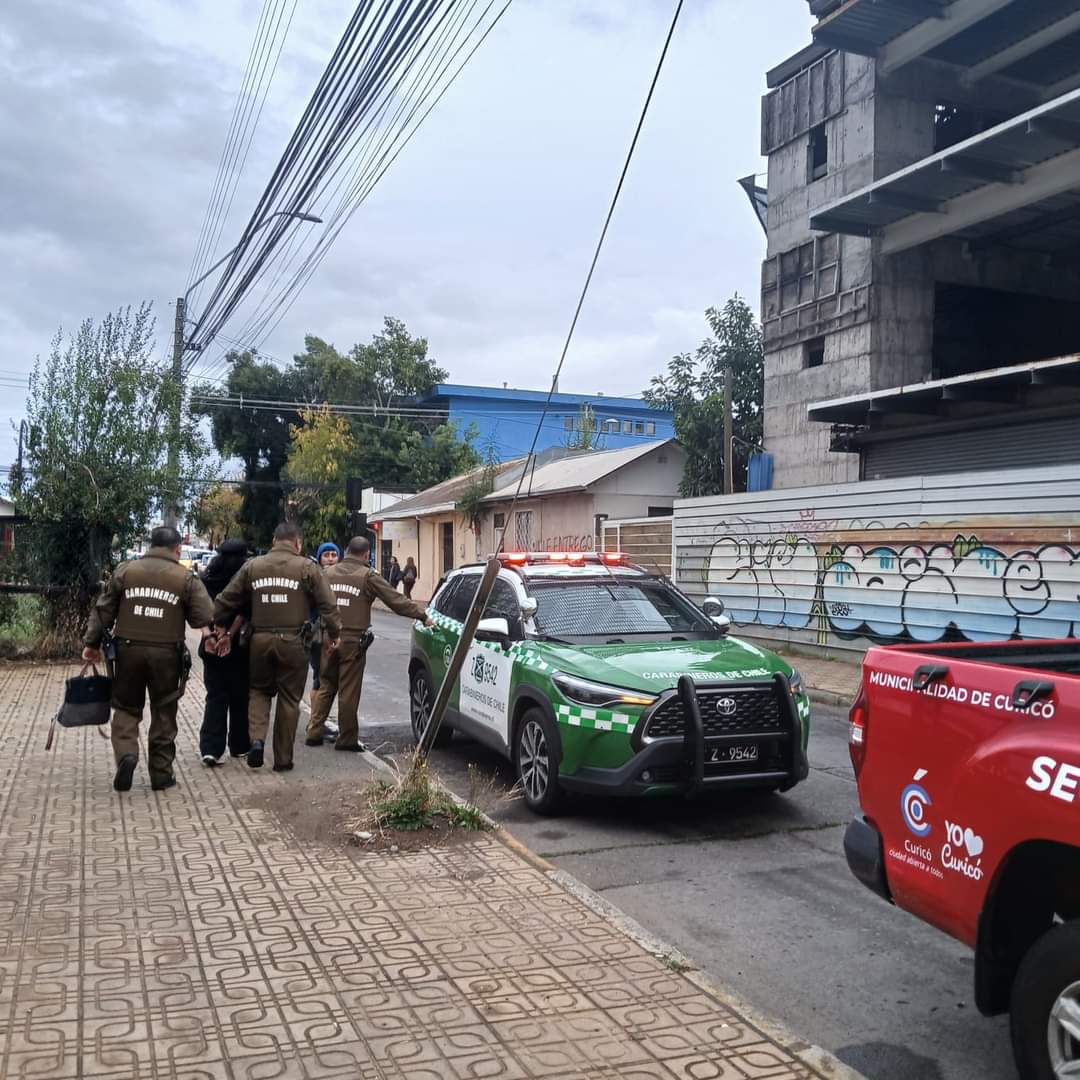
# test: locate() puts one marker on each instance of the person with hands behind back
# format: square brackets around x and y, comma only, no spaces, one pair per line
[280,588]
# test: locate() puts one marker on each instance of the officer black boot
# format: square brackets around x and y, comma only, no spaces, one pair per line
[125,770]
[162,783]
[255,754]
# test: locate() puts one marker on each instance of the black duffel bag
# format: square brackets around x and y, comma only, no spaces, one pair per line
[86,702]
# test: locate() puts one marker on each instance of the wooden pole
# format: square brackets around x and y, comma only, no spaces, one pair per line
[457,660]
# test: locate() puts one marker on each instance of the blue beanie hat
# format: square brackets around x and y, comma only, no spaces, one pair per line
[328,546]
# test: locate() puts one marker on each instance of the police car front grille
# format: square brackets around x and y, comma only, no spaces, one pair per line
[735,710]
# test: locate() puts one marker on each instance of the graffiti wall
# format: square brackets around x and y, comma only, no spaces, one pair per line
[791,573]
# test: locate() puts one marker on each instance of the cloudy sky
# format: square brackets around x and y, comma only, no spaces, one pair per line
[115,114]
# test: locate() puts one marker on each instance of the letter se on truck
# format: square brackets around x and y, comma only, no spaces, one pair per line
[968,765]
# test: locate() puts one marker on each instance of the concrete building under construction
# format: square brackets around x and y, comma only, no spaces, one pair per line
[921,291]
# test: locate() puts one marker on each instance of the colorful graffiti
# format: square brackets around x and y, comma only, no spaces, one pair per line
[913,592]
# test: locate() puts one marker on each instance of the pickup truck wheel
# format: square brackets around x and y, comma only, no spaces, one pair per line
[1045,1017]
[421,699]
[536,763]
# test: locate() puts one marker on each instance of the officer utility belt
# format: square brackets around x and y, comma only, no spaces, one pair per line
[174,645]
[279,631]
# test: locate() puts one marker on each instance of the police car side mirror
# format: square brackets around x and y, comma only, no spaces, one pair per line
[713,606]
[496,630]
[528,607]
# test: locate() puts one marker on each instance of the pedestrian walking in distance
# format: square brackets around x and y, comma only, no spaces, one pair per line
[280,588]
[409,576]
[356,586]
[146,604]
[394,577]
[225,666]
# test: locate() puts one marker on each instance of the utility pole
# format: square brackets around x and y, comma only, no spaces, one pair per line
[729,465]
[172,468]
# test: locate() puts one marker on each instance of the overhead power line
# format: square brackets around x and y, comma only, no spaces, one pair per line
[595,260]
[392,64]
[270,34]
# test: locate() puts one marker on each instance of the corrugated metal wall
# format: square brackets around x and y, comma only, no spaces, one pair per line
[646,540]
[973,556]
[1003,447]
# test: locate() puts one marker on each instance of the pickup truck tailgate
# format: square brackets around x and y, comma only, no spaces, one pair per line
[962,760]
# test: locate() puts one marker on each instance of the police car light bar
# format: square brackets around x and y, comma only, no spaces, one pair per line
[520,558]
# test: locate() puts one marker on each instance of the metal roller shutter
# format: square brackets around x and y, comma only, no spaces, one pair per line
[1045,442]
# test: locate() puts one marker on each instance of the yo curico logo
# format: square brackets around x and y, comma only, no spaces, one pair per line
[913,803]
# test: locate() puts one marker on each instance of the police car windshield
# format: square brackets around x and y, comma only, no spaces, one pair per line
[614,608]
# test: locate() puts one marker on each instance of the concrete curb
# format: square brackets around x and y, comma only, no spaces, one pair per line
[829,697]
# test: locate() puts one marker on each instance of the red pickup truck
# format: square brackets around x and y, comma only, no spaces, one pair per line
[968,765]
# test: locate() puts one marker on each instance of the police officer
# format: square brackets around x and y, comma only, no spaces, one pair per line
[281,587]
[355,586]
[147,603]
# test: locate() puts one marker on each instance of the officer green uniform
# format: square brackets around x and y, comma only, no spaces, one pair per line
[283,588]
[355,587]
[147,602]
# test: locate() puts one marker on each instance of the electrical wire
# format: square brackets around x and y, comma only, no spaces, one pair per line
[592,267]
[392,59]
[247,113]
[285,302]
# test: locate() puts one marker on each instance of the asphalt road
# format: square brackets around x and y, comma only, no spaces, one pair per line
[755,889]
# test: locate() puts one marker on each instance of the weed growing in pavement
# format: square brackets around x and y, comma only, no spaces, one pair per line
[675,964]
[414,801]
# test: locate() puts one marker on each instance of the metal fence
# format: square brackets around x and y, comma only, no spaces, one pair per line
[645,540]
[961,557]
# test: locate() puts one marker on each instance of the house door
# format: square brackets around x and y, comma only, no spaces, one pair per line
[387,554]
[447,528]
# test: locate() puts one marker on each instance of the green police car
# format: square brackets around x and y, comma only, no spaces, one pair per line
[592,674]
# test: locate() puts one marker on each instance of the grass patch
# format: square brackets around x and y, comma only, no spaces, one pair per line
[414,801]
[21,623]
[675,964]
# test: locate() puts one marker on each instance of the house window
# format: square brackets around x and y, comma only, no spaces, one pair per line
[568,423]
[639,427]
[500,521]
[817,157]
[627,427]
[814,352]
[650,427]
[523,530]
[611,427]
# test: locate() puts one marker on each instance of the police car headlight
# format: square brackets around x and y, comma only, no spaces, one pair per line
[795,682]
[597,695]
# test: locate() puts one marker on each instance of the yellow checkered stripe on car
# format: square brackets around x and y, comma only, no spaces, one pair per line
[594,719]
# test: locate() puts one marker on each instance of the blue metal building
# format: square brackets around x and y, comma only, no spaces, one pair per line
[506,418]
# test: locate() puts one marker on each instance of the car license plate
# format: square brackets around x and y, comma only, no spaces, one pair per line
[725,755]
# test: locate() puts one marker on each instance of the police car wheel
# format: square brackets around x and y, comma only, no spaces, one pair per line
[421,699]
[536,763]
[1045,1018]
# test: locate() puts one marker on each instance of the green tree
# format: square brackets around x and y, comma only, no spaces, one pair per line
[94,464]
[258,436]
[586,434]
[319,458]
[693,388]
[430,459]
[390,371]
[217,514]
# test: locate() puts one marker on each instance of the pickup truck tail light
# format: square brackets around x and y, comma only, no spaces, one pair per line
[858,730]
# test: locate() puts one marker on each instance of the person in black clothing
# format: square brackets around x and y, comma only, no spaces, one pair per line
[225,668]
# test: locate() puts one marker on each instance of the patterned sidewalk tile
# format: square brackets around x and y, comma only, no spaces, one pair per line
[184,936]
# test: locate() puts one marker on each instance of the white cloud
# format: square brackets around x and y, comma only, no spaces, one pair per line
[480,234]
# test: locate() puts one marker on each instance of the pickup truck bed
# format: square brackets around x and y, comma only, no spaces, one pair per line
[968,764]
